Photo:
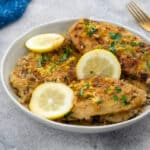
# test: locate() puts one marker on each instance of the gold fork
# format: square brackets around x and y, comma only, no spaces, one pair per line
[140,16]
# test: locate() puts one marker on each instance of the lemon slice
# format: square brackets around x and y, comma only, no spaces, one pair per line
[44,42]
[51,100]
[98,62]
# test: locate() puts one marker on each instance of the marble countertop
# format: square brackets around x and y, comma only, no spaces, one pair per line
[18,131]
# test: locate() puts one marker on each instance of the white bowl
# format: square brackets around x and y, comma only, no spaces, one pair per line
[17,49]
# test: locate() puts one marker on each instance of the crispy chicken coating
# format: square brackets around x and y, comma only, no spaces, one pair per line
[131,51]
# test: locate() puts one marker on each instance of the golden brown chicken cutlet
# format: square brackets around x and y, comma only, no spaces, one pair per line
[132,52]
[101,96]
[104,96]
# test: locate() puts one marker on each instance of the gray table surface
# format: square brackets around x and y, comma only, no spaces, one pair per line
[19,132]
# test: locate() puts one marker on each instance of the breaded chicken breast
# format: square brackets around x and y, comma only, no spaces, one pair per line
[132,52]
[104,96]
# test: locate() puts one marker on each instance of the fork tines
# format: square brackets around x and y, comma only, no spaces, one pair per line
[140,16]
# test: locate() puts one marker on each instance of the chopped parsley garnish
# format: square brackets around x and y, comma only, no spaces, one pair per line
[64,57]
[124,100]
[81,92]
[67,52]
[124,46]
[115,97]
[141,44]
[90,28]
[112,35]
[115,36]
[144,51]
[87,85]
[42,59]
[117,89]
[68,114]
[39,62]
[86,24]
[148,64]
[52,68]
[112,47]
[91,31]
[45,58]
[134,44]
[106,89]
[57,62]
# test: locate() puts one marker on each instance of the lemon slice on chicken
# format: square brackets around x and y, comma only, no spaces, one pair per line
[44,42]
[98,62]
[51,100]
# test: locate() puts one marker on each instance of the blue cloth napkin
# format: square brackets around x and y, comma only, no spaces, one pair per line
[11,10]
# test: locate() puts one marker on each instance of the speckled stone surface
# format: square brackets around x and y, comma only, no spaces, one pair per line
[19,132]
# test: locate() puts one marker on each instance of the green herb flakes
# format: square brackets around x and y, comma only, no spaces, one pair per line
[87,85]
[115,36]
[53,67]
[67,52]
[141,44]
[64,57]
[112,35]
[106,89]
[91,31]
[81,92]
[86,24]
[57,62]
[68,114]
[112,47]
[124,100]
[115,97]
[148,64]
[144,51]
[117,89]
[45,58]
[39,62]
[124,46]
[90,28]
[42,59]
[134,44]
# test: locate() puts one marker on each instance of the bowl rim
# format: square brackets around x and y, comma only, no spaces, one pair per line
[58,124]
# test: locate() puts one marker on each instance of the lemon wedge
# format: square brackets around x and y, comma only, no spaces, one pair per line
[51,100]
[98,62]
[44,42]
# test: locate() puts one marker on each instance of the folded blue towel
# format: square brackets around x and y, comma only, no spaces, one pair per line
[10,10]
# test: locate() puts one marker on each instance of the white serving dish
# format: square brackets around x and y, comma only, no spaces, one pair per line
[17,49]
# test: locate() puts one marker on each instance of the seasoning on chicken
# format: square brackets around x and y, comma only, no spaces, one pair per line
[34,69]
[132,52]
[104,96]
